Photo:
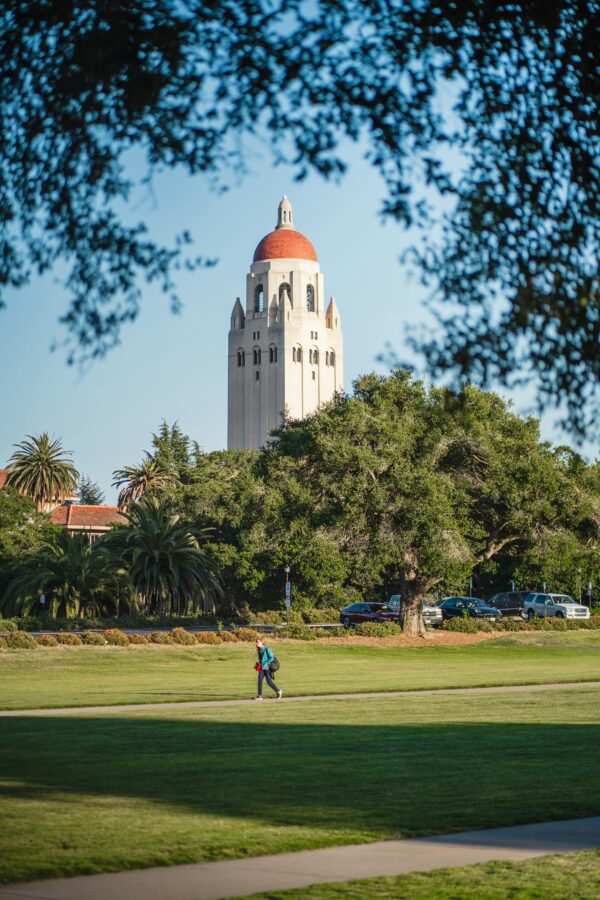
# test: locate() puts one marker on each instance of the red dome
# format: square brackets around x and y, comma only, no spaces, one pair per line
[285,243]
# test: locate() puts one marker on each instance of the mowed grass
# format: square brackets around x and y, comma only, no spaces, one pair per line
[560,877]
[104,792]
[88,676]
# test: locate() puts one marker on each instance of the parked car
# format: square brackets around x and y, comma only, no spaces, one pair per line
[432,615]
[474,607]
[559,605]
[510,603]
[360,612]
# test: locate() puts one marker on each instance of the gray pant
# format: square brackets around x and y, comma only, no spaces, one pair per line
[270,682]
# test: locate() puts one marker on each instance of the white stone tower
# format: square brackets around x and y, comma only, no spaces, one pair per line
[285,345]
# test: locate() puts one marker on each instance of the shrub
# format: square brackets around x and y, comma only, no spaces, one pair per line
[246,634]
[378,629]
[464,625]
[138,639]
[298,633]
[47,640]
[337,631]
[8,625]
[507,624]
[29,623]
[323,615]
[93,639]
[228,637]
[267,617]
[181,636]
[116,638]
[162,637]
[208,637]
[20,640]
[2,643]
[71,640]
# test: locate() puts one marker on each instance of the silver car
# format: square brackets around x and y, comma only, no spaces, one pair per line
[559,605]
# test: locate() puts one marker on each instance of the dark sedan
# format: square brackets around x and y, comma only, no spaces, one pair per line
[360,612]
[510,603]
[474,607]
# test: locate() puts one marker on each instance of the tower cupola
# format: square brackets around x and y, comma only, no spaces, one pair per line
[284,214]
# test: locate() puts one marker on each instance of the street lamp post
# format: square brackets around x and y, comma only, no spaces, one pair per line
[288,592]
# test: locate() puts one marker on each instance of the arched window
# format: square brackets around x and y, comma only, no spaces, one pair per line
[299,354]
[331,358]
[259,298]
[327,357]
[293,354]
[256,356]
[315,358]
[272,354]
[310,298]
[285,291]
[239,358]
[310,356]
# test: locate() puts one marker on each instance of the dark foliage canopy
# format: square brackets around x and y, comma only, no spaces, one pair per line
[508,91]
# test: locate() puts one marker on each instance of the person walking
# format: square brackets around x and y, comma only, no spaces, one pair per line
[265,658]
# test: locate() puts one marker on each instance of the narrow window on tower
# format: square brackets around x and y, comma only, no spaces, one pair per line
[310,298]
[259,298]
[293,354]
[257,375]
[285,291]
[315,358]
[331,358]
[327,357]
[310,356]
[299,354]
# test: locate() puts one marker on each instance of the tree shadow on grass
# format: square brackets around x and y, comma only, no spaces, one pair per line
[383,780]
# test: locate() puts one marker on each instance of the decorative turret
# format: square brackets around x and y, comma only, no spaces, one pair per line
[284,214]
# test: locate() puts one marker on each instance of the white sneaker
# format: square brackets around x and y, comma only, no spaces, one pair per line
[279,695]
[258,698]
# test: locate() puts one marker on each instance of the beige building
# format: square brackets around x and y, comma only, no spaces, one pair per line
[285,342]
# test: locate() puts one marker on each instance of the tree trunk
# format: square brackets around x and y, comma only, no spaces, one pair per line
[411,611]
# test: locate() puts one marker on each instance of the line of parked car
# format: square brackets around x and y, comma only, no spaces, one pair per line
[527,604]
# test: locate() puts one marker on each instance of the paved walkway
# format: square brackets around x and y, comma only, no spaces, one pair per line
[377,695]
[240,877]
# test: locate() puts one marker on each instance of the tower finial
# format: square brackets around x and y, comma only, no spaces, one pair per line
[284,214]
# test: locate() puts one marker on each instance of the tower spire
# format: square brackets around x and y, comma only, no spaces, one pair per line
[284,214]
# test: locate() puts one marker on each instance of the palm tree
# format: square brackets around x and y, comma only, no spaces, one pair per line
[40,469]
[137,479]
[75,578]
[163,558]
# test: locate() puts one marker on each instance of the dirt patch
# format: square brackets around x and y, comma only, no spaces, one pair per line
[432,639]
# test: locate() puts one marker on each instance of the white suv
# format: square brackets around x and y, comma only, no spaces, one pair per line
[559,605]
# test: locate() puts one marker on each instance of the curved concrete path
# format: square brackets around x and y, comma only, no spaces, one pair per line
[240,877]
[376,695]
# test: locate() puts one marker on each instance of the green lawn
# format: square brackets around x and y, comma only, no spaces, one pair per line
[91,793]
[547,878]
[82,676]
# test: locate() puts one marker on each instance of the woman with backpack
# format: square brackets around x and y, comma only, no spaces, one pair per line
[266,665]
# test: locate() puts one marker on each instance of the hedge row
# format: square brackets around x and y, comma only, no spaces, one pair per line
[472,626]
[22,640]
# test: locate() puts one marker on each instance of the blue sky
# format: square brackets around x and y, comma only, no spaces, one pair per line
[175,367]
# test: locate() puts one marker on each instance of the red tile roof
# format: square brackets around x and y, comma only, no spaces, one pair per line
[285,243]
[77,516]
[3,477]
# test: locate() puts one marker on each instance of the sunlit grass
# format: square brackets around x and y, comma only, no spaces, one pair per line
[73,676]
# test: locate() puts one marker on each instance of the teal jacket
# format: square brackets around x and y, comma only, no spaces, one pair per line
[266,656]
